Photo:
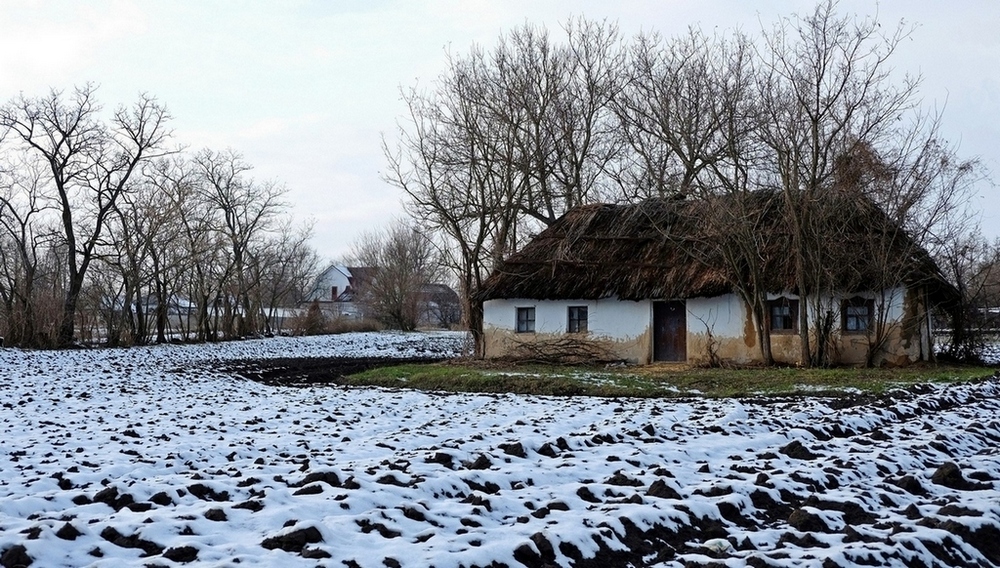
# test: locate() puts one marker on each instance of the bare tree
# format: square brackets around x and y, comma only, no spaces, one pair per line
[247,210]
[124,267]
[98,213]
[825,89]
[91,164]
[144,247]
[690,115]
[554,102]
[167,186]
[505,142]
[403,262]
[457,182]
[913,197]
[288,265]
[25,237]
[973,265]
[722,157]
[670,113]
[987,283]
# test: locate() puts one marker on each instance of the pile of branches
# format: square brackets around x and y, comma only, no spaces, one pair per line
[563,351]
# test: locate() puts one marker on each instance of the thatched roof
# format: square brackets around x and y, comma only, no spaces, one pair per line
[666,248]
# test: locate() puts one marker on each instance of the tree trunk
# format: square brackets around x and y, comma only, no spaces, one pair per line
[800,269]
[29,330]
[476,328]
[67,327]
[161,312]
[763,331]
[797,223]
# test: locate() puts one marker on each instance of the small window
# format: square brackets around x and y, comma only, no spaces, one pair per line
[856,315]
[783,315]
[333,293]
[526,320]
[577,319]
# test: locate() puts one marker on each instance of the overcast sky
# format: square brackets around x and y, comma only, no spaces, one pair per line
[305,90]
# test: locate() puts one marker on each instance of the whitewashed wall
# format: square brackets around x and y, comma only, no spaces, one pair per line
[621,326]
[724,315]
[609,317]
[718,328]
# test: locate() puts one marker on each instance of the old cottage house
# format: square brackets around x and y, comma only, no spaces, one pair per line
[657,281]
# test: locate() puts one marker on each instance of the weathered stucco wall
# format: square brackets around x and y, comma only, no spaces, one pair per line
[904,325]
[719,329]
[888,322]
[900,317]
[621,327]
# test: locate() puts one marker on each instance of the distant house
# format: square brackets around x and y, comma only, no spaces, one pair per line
[440,306]
[338,291]
[639,283]
[335,290]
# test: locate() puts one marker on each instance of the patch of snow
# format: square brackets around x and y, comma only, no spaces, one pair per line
[147,451]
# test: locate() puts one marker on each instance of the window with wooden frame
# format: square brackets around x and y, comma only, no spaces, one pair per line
[526,320]
[577,319]
[856,315]
[783,315]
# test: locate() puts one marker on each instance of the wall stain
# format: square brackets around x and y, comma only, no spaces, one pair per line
[749,329]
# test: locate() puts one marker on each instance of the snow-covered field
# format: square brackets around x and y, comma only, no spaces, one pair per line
[157,457]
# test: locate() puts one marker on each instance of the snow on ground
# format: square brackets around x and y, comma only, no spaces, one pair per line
[156,457]
[991,353]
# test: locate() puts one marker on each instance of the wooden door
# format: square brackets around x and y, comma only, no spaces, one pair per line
[669,331]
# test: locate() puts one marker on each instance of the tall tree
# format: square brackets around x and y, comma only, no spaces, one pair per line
[506,141]
[744,209]
[288,264]
[451,163]
[913,196]
[167,187]
[554,99]
[825,87]
[670,113]
[247,210]
[24,238]
[91,163]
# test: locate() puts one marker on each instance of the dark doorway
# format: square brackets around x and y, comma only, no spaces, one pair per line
[669,331]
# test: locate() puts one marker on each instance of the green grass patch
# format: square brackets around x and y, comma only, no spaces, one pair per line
[659,381]
[460,378]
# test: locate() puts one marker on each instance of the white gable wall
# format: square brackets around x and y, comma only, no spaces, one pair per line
[606,318]
[332,276]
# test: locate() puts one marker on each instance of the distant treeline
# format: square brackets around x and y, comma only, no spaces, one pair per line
[109,232]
